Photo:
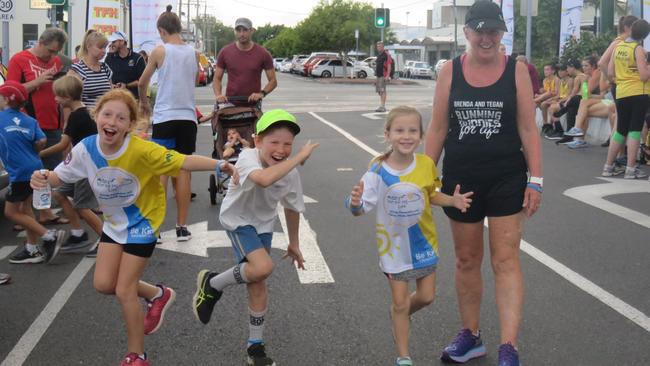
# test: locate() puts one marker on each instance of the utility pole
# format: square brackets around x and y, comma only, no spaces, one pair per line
[455,31]
[382,29]
[606,15]
[529,27]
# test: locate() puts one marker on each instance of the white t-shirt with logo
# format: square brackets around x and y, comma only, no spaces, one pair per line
[249,204]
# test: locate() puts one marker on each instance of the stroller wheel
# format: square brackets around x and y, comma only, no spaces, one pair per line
[213,189]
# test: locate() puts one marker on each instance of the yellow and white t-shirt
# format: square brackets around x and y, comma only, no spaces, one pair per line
[406,233]
[126,184]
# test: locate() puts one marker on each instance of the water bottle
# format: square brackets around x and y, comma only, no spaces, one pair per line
[585,90]
[43,196]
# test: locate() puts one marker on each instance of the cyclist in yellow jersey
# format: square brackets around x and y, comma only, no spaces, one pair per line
[629,66]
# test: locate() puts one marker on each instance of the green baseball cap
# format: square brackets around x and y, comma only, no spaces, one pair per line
[276,116]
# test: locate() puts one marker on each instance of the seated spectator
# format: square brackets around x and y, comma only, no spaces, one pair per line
[565,85]
[550,85]
[601,106]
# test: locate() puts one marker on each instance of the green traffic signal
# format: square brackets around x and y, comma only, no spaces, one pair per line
[380,17]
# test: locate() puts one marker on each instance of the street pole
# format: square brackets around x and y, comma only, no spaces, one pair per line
[5,43]
[382,29]
[455,31]
[529,27]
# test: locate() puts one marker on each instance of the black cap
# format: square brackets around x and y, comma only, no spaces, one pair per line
[485,15]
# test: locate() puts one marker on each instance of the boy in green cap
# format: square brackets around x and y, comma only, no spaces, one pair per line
[267,176]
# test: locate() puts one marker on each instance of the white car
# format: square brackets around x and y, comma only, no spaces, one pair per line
[438,67]
[334,68]
[296,63]
[418,70]
[277,62]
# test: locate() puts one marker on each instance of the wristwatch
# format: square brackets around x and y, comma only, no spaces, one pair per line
[536,180]
[264,92]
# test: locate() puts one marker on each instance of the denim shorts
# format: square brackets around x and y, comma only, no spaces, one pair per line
[245,239]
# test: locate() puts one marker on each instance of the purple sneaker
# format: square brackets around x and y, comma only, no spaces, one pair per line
[508,355]
[464,347]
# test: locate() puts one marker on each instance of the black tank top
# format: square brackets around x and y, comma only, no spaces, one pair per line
[483,137]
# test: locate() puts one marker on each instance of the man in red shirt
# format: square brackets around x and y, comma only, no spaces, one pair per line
[244,61]
[36,68]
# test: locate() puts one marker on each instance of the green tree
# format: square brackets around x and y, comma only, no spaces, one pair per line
[217,34]
[331,26]
[284,44]
[267,32]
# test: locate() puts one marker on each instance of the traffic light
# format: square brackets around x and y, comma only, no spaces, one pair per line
[382,17]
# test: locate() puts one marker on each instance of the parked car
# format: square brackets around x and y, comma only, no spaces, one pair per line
[286,66]
[334,68]
[438,67]
[418,70]
[203,76]
[207,67]
[296,63]
[277,62]
[371,61]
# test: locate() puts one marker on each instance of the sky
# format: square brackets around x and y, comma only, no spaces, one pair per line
[290,12]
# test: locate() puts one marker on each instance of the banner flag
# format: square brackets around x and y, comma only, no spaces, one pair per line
[570,22]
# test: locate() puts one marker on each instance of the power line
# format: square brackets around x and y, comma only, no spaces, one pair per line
[413,3]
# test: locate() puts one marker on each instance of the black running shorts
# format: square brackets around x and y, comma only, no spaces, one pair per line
[178,135]
[493,196]
[18,192]
[139,250]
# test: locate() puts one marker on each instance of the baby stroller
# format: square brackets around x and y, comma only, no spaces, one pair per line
[228,116]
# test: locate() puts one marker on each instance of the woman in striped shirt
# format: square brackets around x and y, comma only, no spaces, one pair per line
[95,74]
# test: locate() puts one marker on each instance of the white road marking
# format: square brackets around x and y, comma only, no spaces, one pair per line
[346,134]
[316,270]
[375,115]
[594,195]
[5,251]
[573,277]
[28,341]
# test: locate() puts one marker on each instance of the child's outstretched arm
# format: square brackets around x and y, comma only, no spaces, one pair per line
[202,163]
[293,226]
[59,147]
[267,176]
[355,201]
[459,200]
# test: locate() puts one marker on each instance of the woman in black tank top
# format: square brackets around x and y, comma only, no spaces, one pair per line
[483,117]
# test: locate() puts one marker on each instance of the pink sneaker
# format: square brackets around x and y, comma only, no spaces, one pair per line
[132,359]
[156,310]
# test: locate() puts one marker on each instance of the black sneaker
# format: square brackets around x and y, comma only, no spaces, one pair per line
[75,243]
[192,196]
[24,256]
[182,234]
[205,296]
[564,140]
[546,128]
[605,144]
[257,356]
[50,248]
[554,135]
[92,252]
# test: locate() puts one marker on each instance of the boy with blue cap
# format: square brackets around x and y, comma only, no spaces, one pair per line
[268,176]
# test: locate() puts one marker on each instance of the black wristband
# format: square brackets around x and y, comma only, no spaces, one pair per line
[264,93]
